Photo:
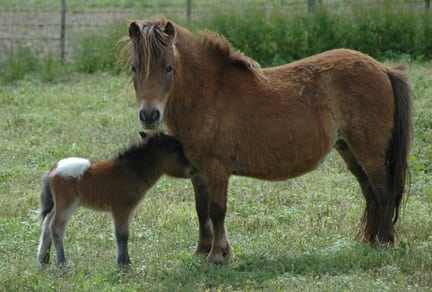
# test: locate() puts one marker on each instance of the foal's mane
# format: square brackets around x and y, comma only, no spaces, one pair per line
[154,42]
[133,151]
[140,149]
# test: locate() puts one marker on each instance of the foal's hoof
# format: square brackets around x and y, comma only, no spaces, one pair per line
[44,259]
[62,266]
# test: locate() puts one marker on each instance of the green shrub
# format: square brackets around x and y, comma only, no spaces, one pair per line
[272,36]
[381,29]
[99,51]
[18,65]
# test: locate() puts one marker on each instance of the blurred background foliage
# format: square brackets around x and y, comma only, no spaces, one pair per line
[275,33]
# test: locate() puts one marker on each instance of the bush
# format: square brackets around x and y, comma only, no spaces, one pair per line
[18,65]
[271,36]
[382,30]
[100,51]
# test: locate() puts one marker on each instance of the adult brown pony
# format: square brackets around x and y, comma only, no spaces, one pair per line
[233,117]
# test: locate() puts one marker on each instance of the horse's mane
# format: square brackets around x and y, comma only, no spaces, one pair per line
[218,45]
[151,45]
[154,42]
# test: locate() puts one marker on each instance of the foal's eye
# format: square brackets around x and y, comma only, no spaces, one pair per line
[133,68]
[169,68]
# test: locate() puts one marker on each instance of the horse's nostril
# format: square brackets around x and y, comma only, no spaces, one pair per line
[142,116]
[155,116]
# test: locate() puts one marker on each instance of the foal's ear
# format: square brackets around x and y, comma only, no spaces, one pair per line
[134,30]
[170,29]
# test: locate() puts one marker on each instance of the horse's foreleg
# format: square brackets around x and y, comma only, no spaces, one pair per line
[202,208]
[43,254]
[221,247]
[121,218]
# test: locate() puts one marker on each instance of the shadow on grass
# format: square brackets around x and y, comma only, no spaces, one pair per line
[259,269]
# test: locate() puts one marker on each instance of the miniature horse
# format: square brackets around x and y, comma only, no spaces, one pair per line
[234,118]
[115,185]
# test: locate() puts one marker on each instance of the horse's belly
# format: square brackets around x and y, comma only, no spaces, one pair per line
[279,168]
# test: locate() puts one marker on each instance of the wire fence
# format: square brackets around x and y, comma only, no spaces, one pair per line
[42,32]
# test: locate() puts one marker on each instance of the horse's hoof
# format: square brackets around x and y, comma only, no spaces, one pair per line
[216,259]
[201,250]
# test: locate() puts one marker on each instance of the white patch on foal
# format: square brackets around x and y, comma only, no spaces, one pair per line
[72,167]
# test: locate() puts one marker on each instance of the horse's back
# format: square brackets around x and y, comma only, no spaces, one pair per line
[350,87]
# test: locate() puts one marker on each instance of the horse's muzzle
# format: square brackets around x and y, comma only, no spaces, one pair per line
[150,118]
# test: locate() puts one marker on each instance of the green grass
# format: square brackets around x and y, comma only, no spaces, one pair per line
[293,235]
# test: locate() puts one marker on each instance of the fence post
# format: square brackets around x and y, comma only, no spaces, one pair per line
[62,31]
[188,10]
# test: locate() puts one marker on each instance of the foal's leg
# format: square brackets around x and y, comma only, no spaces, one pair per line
[63,213]
[43,254]
[202,208]
[122,218]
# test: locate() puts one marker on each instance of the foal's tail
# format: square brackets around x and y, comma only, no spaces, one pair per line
[397,152]
[46,197]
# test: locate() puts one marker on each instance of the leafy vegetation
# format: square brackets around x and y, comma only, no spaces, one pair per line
[293,235]
[272,35]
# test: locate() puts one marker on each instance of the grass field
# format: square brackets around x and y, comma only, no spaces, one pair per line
[293,235]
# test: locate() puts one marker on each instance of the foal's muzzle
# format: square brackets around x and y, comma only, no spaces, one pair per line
[150,118]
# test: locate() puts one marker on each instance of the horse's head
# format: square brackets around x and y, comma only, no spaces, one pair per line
[153,65]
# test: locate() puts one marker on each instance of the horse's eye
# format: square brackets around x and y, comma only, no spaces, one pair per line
[169,68]
[133,68]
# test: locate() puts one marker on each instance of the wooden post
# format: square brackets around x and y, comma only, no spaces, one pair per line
[188,10]
[63,31]
[311,5]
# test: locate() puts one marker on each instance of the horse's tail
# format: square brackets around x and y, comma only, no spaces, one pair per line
[397,152]
[46,197]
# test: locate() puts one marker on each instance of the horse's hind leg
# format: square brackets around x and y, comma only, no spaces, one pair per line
[368,223]
[58,228]
[371,172]
[43,254]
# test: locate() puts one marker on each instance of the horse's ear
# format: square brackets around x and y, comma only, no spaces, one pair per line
[143,135]
[134,30]
[170,29]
